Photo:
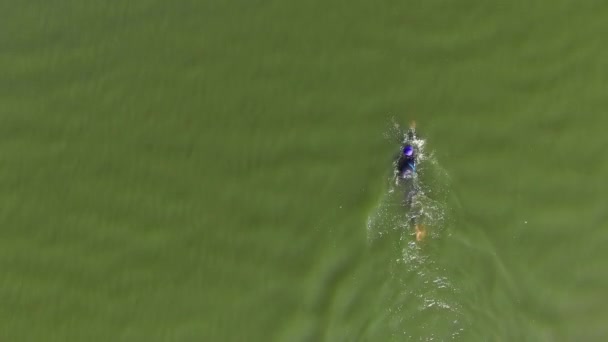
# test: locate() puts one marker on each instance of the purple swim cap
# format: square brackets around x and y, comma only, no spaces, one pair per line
[408,150]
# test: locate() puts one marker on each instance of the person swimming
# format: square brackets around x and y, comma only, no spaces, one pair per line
[405,169]
[406,163]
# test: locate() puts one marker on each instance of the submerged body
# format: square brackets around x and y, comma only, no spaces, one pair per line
[405,165]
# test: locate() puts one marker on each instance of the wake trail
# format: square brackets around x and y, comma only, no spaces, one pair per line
[425,299]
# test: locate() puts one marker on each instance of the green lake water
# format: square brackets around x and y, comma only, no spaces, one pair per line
[219,171]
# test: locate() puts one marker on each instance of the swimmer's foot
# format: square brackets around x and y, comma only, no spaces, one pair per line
[420,232]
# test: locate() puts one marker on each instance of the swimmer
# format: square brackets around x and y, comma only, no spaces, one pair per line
[406,165]
[405,168]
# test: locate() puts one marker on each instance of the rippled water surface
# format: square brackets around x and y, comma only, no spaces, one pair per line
[218,171]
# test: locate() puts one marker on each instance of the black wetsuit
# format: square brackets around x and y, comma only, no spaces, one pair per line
[405,169]
[406,163]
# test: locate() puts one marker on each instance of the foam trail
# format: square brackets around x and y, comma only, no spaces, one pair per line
[423,288]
